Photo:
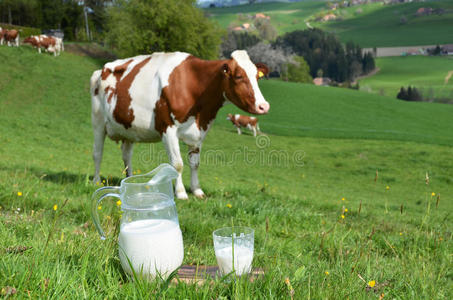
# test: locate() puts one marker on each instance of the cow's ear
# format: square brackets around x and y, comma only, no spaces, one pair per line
[226,70]
[263,70]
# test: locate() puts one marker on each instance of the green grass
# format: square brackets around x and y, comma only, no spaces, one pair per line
[45,154]
[379,25]
[425,73]
[308,110]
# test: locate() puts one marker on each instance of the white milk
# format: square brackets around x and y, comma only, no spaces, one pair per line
[151,245]
[242,259]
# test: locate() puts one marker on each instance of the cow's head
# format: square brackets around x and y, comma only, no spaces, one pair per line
[29,39]
[229,117]
[240,85]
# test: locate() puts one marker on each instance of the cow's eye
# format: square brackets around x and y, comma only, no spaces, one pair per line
[238,77]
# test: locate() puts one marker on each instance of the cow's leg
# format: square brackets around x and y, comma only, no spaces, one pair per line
[239,129]
[126,148]
[171,143]
[98,147]
[194,162]
[254,130]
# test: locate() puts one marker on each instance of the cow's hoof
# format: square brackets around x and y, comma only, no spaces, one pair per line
[97,180]
[199,194]
[182,195]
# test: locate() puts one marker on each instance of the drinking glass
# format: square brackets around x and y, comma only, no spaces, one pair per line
[234,249]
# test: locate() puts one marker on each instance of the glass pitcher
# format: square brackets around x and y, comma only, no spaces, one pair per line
[150,240]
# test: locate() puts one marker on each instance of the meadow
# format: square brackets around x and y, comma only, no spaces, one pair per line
[376,25]
[427,74]
[336,189]
[380,26]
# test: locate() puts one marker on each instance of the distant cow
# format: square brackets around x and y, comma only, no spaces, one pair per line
[11,36]
[2,35]
[251,123]
[169,97]
[49,43]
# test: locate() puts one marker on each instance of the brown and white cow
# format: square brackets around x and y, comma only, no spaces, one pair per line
[49,43]
[169,97]
[11,37]
[251,123]
[2,35]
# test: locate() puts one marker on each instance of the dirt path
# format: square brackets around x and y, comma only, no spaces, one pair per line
[367,75]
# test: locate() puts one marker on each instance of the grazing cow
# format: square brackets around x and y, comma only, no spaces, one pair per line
[251,123]
[11,37]
[49,43]
[2,35]
[169,97]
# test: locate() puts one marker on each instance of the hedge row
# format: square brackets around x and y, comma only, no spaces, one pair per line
[23,31]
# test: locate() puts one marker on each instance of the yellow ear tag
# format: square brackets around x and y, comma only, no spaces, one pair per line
[260,74]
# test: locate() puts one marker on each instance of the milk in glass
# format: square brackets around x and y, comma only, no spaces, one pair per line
[243,257]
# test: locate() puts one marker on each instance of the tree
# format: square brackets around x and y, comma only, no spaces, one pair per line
[265,29]
[324,51]
[402,94]
[275,58]
[237,40]
[299,71]
[145,26]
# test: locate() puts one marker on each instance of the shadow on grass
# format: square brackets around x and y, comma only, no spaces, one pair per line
[64,177]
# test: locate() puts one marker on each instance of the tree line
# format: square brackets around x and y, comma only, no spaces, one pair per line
[132,27]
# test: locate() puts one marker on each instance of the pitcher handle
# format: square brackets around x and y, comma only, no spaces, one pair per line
[98,196]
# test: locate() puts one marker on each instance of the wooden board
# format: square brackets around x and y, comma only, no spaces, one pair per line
[199,274]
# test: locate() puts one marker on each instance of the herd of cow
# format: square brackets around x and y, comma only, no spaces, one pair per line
[50,44]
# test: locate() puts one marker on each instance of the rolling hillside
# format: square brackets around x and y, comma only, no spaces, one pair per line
[369,25]
[425,73]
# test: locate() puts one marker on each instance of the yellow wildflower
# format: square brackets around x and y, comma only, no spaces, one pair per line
[287,281]
[345,210]
[342,199]
[433,194]
[118,203]
[342,216]
[103,181]
[55,207]
[372,283]
[19,194]
[229,205]
[327,273]
[99,207]
[401,233]
[387,188]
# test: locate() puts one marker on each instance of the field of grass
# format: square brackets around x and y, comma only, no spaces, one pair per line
[379,26]
[376,26]
[425,73]
[395,231]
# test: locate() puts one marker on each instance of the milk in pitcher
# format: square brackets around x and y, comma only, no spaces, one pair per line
[152,245]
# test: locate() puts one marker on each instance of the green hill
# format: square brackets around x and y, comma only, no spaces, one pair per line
[308,110]
[326,200]
[427,73]
[370,25]
[381,26]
